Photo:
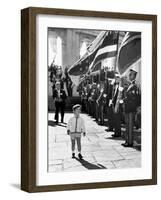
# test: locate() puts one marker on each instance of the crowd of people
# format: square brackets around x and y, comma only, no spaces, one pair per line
[56,75]
[114,98]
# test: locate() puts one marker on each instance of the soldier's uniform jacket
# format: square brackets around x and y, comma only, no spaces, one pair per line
[89,93]
[97,93]
[84,93]
[59,97]
[102,97]
[88,90]
[94,94]
[105,94]
[115,93]
[131,98]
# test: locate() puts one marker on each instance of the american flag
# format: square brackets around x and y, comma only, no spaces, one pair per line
[129,51]
[106,54]
[81,66]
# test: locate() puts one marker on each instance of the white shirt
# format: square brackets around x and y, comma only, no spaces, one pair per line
[76,125]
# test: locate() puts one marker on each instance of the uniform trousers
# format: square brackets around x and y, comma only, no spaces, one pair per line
[129,120]
[110,118]
[114,121]
[60,106]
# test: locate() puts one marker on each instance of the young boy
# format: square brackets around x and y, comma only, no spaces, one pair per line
[75,127]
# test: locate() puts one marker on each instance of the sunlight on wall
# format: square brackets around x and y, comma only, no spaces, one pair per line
[83,49]
[55,51]
[58,59]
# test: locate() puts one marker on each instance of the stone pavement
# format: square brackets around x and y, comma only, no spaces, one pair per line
[99,149]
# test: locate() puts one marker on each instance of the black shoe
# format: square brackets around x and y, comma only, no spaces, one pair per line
[109,130]
[127,145]
[80,156]
[73,155]
[115,135]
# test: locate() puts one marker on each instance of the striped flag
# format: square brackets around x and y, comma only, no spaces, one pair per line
[129,51]
[106,55]
[81,66]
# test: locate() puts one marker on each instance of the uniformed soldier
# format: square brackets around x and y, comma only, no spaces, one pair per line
[130,106]
[116,103]
[59,96]
[101,102]
[83,93]
[88,95]
[109,106]
[93,99]
[97,115]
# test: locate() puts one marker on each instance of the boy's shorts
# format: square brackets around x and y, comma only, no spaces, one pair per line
[75,135]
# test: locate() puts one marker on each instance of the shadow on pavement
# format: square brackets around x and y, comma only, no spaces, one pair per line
[89,165]
[115,138]
[53,124]
[138,147]
[121,138]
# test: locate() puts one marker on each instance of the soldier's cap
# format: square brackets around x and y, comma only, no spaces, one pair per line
[117,74]
[76,106]
[132,70]
[57,83]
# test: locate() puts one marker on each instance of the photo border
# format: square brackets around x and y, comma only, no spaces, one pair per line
[28,98]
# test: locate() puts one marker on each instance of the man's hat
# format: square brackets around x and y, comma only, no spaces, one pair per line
[76,106]
[133,70]
[117,74]
[57,83]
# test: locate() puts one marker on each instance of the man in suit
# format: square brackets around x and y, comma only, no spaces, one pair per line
[59,96]
[130,106]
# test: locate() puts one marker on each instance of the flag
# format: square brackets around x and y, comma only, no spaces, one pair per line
[129,51]
[106,54]
[81,66]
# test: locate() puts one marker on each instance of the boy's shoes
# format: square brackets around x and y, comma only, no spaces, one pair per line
[80,156]
[73,155]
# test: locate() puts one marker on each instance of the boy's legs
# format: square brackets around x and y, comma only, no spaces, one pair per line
[79,144]
[79,147]
[73,145]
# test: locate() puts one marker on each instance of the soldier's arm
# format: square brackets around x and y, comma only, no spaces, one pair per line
[65,95]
